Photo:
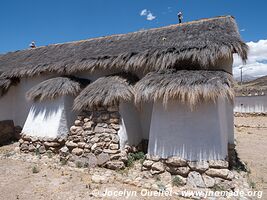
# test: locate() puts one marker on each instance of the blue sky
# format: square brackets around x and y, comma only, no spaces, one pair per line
[57,21]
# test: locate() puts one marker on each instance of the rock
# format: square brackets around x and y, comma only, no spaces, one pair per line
[26,138]
[94,139]
[109,151]
[102,158]
[7,131]
[95,145]
[88,125]
[92,160]
[176,161]
[183,171]
[148,163]
[51,144]
[88,146]
[114,146]
[75,129]
[194,180]
[115,126]
[24,147]
[99,129]
[31,148]
[114,120]
[165,178]
[64,151]
[154,158]
[81,144]
[115,139]
[221,173]
[77,151]
[42,149]
[200,166]
[71,145]
[157,167]
[78,123]
[115,165]
[21,141]
[178,180]
[116,156]
[220,164]
[209,181]
[85,120]
[99,179]
[88,133]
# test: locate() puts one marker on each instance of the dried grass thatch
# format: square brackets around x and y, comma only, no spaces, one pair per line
[6,83]
[56,87]
[189,87]
[106,91]
[192,45]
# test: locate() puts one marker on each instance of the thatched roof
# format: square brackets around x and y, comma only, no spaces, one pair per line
[6,83]
[106,91]
[56,87]
[189,87]
[193,45]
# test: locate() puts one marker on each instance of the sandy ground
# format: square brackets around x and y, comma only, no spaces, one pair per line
[251,138]
[17,180]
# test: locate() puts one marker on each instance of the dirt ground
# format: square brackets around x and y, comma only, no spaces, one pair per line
[251,138]
[18,180]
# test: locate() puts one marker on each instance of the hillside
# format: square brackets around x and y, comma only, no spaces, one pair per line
[258,85]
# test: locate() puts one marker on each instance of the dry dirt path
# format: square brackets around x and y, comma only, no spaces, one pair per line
[251,137]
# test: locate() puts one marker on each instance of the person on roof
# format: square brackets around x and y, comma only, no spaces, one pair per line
[32,45]
[180,17]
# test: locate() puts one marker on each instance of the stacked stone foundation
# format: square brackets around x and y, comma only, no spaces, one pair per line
[93,141]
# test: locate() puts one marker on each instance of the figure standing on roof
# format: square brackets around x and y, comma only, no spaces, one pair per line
[180,17]
[32,45]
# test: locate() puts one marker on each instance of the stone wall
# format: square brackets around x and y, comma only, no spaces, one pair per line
[92,141]
[203,174]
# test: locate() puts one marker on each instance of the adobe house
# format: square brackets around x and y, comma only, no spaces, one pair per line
[183,92]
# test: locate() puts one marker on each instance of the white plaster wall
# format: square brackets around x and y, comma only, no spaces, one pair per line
[251,104]
[198,135]
[13,105]
[7,103]
[49,119]
[145,113]
[130,129]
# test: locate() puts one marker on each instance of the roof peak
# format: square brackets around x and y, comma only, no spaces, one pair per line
[123,34]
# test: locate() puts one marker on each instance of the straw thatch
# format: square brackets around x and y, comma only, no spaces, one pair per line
[189,87]
[6,83]
[106,91]
[56,87]
[193,45]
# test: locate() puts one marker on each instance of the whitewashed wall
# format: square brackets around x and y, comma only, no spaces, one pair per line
[251,104]
[50,119]
[198,135]
[14,105]
[145,113]
[130,130]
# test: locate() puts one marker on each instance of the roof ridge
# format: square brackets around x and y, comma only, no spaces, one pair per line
[122,34]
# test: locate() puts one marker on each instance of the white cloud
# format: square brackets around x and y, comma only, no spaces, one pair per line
[257,60]
[144,12]
[149,15]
